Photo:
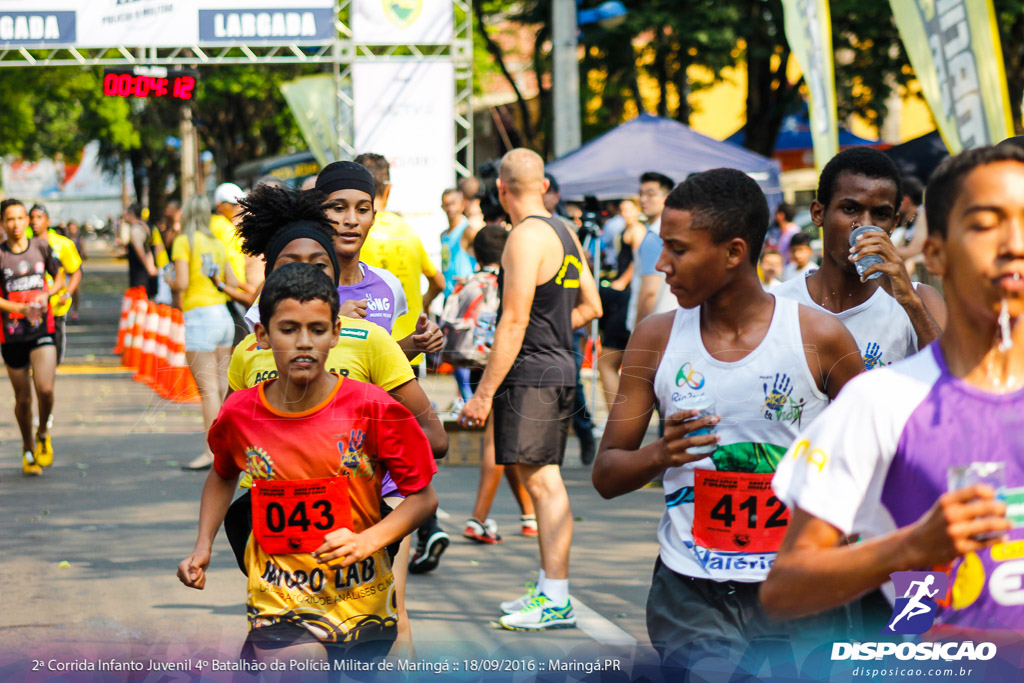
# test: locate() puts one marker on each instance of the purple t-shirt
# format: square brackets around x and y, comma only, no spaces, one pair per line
[385,298]
[878,459]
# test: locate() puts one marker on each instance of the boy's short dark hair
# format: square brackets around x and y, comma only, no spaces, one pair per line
[787,210]
[300,281]
[727,203]
[865,161]
[378,167]
[488,244]
[9,202]
[948,179]
[913,188]
[654,177]
[801,239]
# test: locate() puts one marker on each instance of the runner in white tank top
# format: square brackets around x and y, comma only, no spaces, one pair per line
[763,400]
[890,317]
[770,365]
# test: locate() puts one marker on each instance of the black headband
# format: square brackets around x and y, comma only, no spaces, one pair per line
[345,175]
[299,230]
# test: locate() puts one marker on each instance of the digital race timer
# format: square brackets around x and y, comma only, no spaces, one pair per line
[149,81]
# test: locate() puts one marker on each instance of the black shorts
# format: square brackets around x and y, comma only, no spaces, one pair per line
[531,424]
[285,633]
[16,355]
[60,338]
[689,619]
[615,304]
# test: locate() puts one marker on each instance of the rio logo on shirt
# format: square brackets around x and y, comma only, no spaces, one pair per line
[689,376]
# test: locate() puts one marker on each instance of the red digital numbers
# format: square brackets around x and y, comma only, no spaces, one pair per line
[122,84]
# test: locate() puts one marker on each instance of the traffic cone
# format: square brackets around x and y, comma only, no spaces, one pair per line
[588,354]
[163,350]
[133,352]
[124,326]
[181,386]
[147,362]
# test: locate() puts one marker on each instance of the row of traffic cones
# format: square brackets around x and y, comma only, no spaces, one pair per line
[151,341]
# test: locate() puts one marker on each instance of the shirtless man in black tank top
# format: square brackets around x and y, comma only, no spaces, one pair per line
[547,291]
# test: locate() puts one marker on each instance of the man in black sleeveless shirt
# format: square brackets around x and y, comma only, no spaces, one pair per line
[547,291]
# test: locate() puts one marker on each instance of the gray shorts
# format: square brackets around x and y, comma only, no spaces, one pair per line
[531,424]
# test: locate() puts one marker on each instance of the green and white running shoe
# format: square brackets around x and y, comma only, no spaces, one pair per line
[541,614]
[513,606]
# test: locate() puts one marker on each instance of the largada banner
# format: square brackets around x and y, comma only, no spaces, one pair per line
[954,48]
[164,23]
[809,32]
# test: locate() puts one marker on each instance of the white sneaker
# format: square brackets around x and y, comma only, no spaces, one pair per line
[539,615]
[520,603]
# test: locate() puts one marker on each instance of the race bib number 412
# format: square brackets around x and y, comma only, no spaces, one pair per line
[294,516]
[737,512]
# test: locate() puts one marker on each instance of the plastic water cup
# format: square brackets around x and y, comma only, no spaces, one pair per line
[869,260]
[991,473]
[705,405]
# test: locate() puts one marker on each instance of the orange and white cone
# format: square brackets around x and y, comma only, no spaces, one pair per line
[163,350]
[125,324]
[133,352]
[147,362]
[181,387]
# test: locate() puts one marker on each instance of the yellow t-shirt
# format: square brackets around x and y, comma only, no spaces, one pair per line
[394,246]
[161,257]
[200,291]
[364,352]
[224,230]
[67,253]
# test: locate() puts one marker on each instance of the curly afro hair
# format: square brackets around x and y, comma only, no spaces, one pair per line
[267,209]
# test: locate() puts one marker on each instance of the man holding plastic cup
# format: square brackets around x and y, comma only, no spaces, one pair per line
[889,316]
[879,462]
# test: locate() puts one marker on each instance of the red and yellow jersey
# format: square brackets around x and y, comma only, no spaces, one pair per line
[356,434]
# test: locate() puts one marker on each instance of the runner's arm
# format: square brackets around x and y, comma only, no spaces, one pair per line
[13,306]
[412,396]
[813,573]
[350,547]
[929,324]
[180,283]
[588,303]
[74,282]
[216,498]
[622,465]
[830,350]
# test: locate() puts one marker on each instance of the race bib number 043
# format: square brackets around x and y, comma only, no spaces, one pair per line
[294,516]
[737,512]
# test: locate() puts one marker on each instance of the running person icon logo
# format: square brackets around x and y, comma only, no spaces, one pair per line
[915,611]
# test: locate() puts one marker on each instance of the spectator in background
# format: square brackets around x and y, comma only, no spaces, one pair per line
[142,271]
[782,230]
[649,293]
[76,235]
[611,231]
[801,257]
[470,188]
[205,278]
[771,265]
[911,234]
[457,264]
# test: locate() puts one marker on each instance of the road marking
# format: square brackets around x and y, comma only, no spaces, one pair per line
[87,369]
[599,628]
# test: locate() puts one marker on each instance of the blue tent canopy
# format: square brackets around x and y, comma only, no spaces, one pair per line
[609,167]
[795,134]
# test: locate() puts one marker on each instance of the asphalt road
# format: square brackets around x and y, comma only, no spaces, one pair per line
[88,551]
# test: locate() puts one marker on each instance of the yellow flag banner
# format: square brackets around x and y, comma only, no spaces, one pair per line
[954,48]
[809,32]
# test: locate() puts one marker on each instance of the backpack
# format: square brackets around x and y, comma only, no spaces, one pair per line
[469,319]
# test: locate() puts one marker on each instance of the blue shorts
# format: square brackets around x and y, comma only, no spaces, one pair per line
[208,328]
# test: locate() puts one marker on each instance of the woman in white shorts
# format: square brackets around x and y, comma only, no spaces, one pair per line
[204,278]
